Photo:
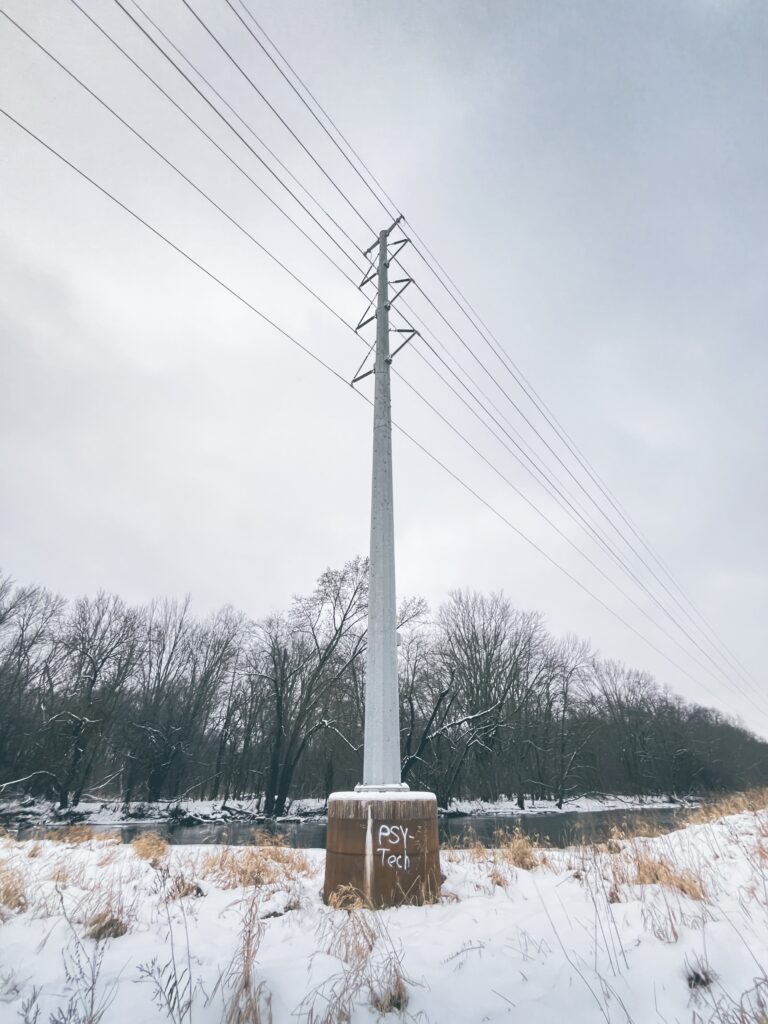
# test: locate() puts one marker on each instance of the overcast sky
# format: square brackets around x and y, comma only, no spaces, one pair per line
[593,176]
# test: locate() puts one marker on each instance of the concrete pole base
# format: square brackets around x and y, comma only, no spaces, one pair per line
[382,847]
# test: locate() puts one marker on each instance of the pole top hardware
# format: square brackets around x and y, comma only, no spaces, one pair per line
[370,314]
[391,228]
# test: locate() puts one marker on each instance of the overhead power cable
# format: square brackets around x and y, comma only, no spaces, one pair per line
[219,114]
[711,637]
[533,397]
[567,469]
[390,212]
[248,127]
[334,313]
[240,298]
[169,163]
[303,284]
[621,563]
[276,112]
[572,447]
[600,509]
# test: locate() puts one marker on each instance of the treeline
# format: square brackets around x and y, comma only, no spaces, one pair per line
[101,699]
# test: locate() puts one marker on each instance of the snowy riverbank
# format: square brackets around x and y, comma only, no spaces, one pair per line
[581,804]
[25,814]
[673,928]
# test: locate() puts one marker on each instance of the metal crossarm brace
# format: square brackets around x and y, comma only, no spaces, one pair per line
[369,276]
[404,281]
[389,230]
[364,322]
[402,344]
[400,243]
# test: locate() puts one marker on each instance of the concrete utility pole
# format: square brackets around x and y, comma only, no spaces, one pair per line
[382,841]
[381,751]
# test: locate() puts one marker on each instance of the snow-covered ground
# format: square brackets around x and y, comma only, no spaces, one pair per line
[668,929]
[112,812]
[115,812]
[582,804]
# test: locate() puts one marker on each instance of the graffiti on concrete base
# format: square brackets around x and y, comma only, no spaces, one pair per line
[393,846]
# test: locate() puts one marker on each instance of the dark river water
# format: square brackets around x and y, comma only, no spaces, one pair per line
[556,829]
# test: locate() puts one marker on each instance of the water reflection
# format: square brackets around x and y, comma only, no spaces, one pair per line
[556,829]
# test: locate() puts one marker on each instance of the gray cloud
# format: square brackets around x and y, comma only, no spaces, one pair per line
[595,180]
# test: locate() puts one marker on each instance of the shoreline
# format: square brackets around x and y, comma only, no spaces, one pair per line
[517,924]
[25,814]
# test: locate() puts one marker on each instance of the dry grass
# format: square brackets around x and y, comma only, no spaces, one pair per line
[180,887]
[105,924]
[371,971]
[499,878]
[517,850]
[60,873]
[641,868]
[70,834]
[347,897]
[231,867]
[150,846]
[352,936]
[734,803]
[249,1001]
[74,835]
[13,892]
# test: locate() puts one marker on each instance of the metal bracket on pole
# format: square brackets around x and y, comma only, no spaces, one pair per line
[404,281]
[367,317]
[402,330]
[400,244]
[389,230]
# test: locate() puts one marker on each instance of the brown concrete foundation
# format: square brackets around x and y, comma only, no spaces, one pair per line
[383,846]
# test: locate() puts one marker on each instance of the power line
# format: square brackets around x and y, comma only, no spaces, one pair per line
[169,163]
[517,374]
[562,435]
[389,212]
[213,142]
[220,209]
[620,562]
[561,533]
[274,110]
[248,127]
[237,295]
[482,365]
[222,117]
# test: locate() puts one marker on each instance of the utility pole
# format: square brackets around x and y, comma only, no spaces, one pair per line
[382,839]
[381,750]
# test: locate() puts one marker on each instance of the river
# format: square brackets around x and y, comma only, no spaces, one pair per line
[557,829]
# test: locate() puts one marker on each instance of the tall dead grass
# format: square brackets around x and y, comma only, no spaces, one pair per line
[13,892]
[371,968]
[150,846]
[637,866]
[249,1001]
[753,800]
[232,867]
[74,835]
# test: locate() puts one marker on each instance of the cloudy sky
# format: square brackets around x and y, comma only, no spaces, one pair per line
[593,177]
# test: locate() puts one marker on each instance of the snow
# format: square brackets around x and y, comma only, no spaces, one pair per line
[577,938]
[505,806]
[115,812]
[382,795]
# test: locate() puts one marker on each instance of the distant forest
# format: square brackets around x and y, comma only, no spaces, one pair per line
[104,700]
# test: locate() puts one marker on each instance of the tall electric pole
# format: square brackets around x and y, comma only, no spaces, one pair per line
[381,750]
[382,839]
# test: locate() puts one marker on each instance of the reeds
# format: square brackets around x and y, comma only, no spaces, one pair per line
[150,846]
[232,867]
[13,892]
